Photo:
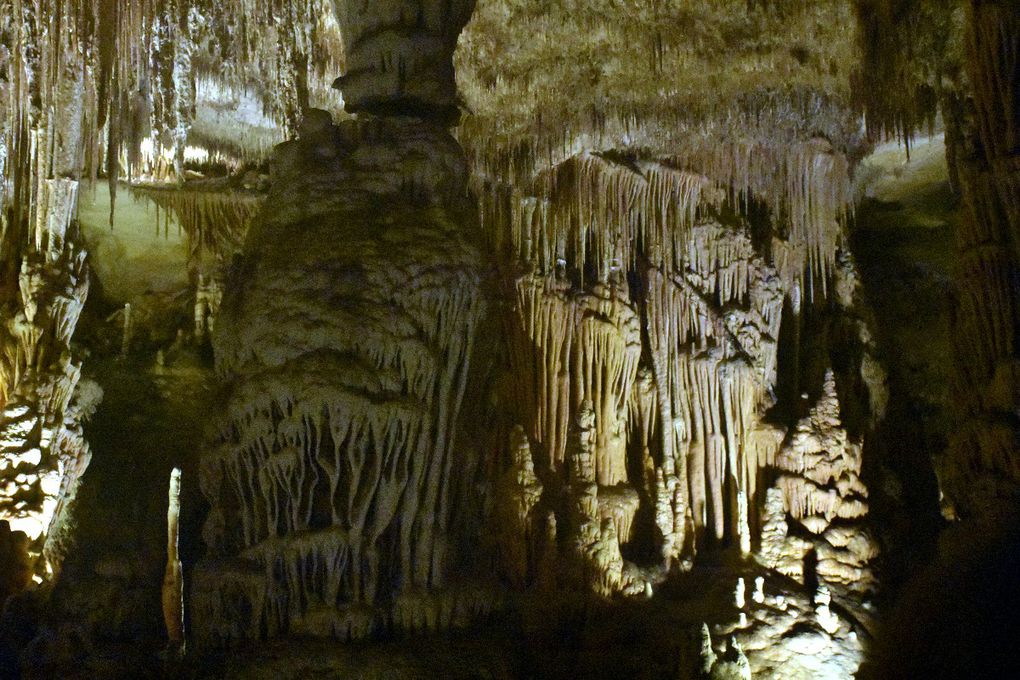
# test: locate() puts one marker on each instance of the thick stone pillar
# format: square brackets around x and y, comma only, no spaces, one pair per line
[344,338]
[399,55]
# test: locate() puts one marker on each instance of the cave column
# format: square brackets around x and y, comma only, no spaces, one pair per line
[345,337]
[399,56]
[983,463]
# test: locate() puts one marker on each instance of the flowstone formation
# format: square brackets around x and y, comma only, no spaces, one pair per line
[338,466]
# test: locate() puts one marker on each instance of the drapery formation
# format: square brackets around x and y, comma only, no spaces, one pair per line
[647,321]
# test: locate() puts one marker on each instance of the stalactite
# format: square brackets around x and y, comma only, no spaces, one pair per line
[90,83]
[215,221]
[717,369]
[710,312]
[590,347]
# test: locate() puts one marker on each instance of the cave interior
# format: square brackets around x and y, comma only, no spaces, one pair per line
[510,339]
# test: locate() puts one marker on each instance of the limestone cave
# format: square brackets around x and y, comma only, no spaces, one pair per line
[510,339]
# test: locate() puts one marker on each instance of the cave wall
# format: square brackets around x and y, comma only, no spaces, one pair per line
[983,465]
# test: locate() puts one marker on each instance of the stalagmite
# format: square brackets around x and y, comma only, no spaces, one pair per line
[597,521]
[173,579]
[708,656]
[44,400]
[127,330]
[819,479]
[743,530]
[517,494]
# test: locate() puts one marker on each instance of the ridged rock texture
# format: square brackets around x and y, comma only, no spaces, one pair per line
[346,355]
[982,468]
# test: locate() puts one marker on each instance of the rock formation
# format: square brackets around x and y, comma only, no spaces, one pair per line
[42,450]
[983,465]
[820,490]
[173,578]
[347,355]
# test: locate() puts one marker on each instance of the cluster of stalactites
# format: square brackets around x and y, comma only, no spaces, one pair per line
[294,46]
[612,213]
[214,222]
[42,452]
[713,331]
[48,80]
[603,211]
[577,347]
[635,300]
[808,189]
[88,85]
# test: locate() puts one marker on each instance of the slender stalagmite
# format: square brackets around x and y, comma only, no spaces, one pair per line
[173,578]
